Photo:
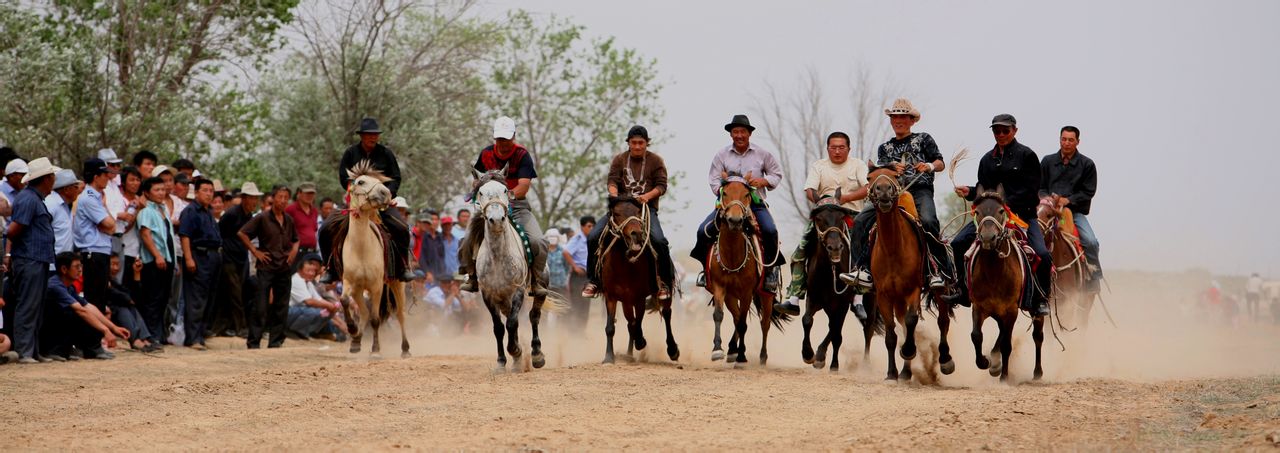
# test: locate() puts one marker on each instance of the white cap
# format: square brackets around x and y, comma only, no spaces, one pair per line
[16,166]
[504,127]
[109,156]
[553,238]
[160,169]
[401,203]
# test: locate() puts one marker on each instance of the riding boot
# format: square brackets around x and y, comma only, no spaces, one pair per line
[702,279]
[471,285]
[772,279]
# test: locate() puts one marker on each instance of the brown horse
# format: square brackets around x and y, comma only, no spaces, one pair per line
[897,264]
[997,275]
[826,259]
[1070,297]
[627,269]
[735,271]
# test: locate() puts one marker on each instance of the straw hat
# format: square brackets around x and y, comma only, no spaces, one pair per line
[39,168]
[902,106]
[250,189]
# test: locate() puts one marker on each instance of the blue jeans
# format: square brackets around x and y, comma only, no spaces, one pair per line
[964,239]
[1088,239]
[306,321]
[707,233]
[666,270]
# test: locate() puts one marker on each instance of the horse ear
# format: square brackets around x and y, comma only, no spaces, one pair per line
[1000,190]
[476,173]
[351,174]
[748,177]
[504,167]
[838,195]
[978,191]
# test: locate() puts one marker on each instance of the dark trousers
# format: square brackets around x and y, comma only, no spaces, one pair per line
[157,288]
[128,317]
[708,231]
[97,271]
[575,321]
[198,289]
[29,280]
[270,313]
[391,220]
[226,310]
[964,239]
[666,270]
[63,329]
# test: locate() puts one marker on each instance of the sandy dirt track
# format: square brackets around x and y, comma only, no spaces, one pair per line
[1151,384]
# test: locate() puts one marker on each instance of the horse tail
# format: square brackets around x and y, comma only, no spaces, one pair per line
[652,305]
[938,307]
[555,303]
[777,318]
[387,304]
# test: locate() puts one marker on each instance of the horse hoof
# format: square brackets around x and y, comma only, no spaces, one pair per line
[731,357]
[641,343]
[891,377]
[983,363]
[904,377]
[539,360]
[835,368]
[807,360]
[355,348]
[405,355]
[818,365]
[994,370]
[608,360]
[674,353]
[908,353]
[949,367]
[1038,374]
[375,356]
[717,355]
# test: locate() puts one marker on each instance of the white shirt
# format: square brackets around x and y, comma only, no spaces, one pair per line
[1254,286]
[115,204]
[824,177]
[301,290]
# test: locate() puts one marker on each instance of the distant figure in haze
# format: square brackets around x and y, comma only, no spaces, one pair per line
[1253,296]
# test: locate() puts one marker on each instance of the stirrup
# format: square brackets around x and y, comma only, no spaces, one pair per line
[470,285]
[702,280]
[590,291]
[937,283]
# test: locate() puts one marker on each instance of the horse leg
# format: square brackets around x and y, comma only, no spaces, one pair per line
[610,321]
[629,314]
[513,326]
[535,315]
[997,362]
[636,324]
[352,328]
[375,319]
[717,350]
[498,331]
[766,317]
[944,348]
[868,327]
[673,350]
[836,333]
[806,321]
[404,334]
[976,335]
[1037,334]
[1006,346]
[738,346]
[909,343]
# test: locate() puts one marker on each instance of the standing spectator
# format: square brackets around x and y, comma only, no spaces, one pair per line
[175,205]
[229,306]
[126,226]
[65,188]
[277,247]
[219,205]
[14,173]
[464,219]
[202,247]
[93,229]
[124,309]
[559,264]
[185,166]
[31,254]
[146,163]
[305,217]
[580,307]
[309,313]
[431,256]
[327,207]
[1253,296]
[73,321]
[450,242]
[155,234]
[113,192]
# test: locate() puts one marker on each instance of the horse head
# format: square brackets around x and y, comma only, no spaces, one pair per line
[366,190]
[491,175]
[991,216]
[734,207]
[884,189]
[494,200]
[629,219]
[830,222]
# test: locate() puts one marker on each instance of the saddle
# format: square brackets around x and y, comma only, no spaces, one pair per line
[907,208]
[1067,226]
[341,224]
[524,241]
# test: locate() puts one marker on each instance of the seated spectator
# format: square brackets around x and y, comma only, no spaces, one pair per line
[70,321]
[310,314]
[124,311]
[7,354]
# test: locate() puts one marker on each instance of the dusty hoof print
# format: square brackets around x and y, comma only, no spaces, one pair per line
[717,354]
[949,367]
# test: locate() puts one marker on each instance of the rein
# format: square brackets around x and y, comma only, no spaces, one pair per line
[843,231]
[616,230]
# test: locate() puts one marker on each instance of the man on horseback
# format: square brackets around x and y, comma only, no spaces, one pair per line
[519,165]
[642,174]
[837,175]
[915,158]
[1069,179]
[1016,167]
[383,160]
[743,158]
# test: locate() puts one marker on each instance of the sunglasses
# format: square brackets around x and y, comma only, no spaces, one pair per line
[1001,130]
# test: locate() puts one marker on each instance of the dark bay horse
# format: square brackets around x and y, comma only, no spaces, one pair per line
[897,266]
[827,258]
[627,269]
[1070,298]
[735,272]
[997,275]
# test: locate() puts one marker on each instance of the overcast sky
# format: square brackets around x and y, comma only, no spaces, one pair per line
[1176,101]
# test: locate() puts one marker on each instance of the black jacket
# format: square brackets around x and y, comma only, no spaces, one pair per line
[383,159]
[1077,180]
[1016,167]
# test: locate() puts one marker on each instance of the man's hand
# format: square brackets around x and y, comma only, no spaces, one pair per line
[261,257]
[759,183]
[579,271]
[1,302]
[160,264]
[924,167]
[1060,201]
[110,339]
[898,167]
[4,266]
[121,332]
[643,198]
[962,191]
[191,264]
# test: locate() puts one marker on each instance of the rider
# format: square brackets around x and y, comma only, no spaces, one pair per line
[741,158]
[837,171]
[1069,179]
[643,174]
[382,159]
[1016,167]
[915,158]
[505,152]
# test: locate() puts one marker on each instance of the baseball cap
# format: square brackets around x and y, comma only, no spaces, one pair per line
[504,127]
[16,166]
[308,187]
[94,166]
[1004,119]
[63,178]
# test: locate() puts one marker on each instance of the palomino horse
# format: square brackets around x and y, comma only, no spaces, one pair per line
[364,260]
[627,267]
[826,259]
[998,273]
[897,266]
[735,271]
[1070,297]
[503,273]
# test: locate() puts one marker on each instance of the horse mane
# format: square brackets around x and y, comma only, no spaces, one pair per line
[823,207]
[988,195]
[622,198]
[886,171]
[365,168]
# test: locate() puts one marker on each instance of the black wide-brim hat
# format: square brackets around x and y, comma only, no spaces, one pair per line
[739,121]
[368,125]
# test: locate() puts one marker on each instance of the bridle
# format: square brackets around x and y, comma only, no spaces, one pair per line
[892,196]
[749,217]
[1004,236]
[616,229]
[362,195]
[841,229]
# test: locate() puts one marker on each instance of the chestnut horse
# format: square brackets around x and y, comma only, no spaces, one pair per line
[1069,290]
[998,273]
[735,271]
[897,267]
[627,269]
[828,257]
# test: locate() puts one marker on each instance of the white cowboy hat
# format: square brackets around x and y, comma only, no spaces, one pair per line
[109,156]
[902,106]
[63,178]
[250,189]
[39,168]
[15,166]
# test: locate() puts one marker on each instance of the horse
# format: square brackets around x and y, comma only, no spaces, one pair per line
[627,266]
[365,260]
[1069,279]
[503,272]
[735,272]
[897,264]
[997,277]
[826,292]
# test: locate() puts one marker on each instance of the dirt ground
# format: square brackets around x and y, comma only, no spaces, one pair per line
[1166,376]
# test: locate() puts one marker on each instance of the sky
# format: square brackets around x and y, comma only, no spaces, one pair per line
[1174,99]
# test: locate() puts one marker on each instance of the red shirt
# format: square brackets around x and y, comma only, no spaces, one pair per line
[305,223]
